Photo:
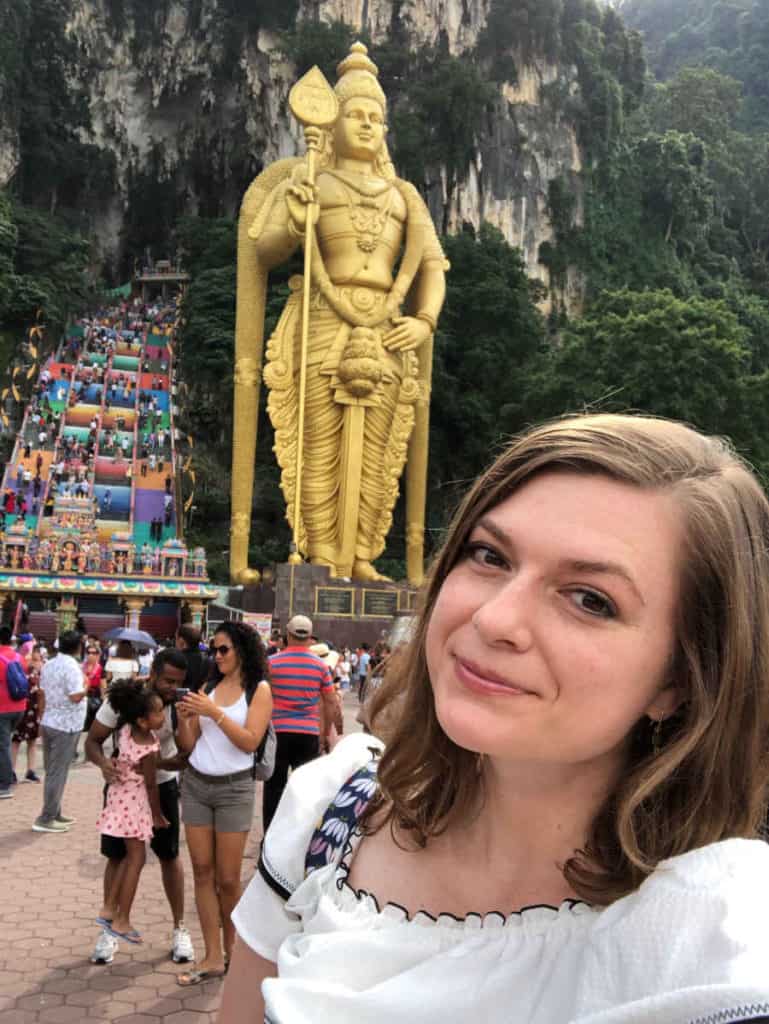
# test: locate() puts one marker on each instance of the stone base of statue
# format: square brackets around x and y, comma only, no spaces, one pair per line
[344,612]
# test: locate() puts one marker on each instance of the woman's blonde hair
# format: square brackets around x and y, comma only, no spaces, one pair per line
[708,780]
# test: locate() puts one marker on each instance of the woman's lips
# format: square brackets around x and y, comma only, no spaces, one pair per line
[480,680]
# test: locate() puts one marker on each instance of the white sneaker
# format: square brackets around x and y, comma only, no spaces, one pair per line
[50,826]
[182,951]
[104,950]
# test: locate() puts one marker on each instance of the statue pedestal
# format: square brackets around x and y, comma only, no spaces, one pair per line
[344,612]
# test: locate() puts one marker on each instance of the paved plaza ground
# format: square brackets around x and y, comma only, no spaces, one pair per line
[50,890]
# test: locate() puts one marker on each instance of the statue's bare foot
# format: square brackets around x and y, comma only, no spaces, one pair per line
[248,577]
[365,571]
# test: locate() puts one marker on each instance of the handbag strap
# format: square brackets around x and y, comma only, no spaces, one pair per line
[330,838]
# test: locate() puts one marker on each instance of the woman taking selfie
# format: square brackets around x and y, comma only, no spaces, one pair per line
[221,730]
[563,824]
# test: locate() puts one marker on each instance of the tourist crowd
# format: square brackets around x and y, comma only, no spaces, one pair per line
[179,738]
[51,460]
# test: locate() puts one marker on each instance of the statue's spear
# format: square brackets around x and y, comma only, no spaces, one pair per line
[314,104]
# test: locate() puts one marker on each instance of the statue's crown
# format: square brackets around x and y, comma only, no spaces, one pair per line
[358,77]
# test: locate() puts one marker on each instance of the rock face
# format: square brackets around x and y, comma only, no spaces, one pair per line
[178,96]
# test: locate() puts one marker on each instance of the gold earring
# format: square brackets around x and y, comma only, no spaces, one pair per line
[657,736]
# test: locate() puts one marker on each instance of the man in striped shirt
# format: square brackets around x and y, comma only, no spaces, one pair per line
[299,680]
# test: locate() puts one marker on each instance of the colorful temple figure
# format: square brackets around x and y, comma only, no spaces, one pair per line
[44,554]
[199,566]
[368,364]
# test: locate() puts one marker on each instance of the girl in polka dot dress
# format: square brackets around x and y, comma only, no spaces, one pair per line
[132,807]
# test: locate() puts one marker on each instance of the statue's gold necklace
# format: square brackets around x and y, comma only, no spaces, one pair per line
[367,217]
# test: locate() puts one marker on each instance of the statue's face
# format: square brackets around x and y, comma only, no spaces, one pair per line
[360,129]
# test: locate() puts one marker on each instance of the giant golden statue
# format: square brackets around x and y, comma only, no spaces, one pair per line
[364,369]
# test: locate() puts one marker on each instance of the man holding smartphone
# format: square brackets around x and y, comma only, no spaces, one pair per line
[167,674]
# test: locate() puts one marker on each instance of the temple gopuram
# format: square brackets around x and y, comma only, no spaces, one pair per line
[91,522]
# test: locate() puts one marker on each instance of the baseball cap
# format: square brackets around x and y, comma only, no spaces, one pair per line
[300,626]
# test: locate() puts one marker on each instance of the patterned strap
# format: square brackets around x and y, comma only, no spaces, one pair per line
[337,825]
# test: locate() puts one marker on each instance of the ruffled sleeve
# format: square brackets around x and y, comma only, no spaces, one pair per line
[690,942]
[261,917]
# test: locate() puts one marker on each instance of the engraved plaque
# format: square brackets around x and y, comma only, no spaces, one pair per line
[333,601]
[380,604]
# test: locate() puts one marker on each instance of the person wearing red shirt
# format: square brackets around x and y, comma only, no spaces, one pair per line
[10,713]
[299,680]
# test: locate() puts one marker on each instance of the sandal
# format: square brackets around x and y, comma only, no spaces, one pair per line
[190,978]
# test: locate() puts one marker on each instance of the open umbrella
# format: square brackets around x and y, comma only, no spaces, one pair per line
[135,636]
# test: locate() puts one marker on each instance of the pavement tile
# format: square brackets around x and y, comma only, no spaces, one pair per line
[159,1007]
[110,1011]
[19,1017]
[63,986]
[144,991]
[18,988]
[136,1018]
[202,1002]
[188,1017]
[110,983]
[132,969]
[39,1001]
[86,997]
[61,1015]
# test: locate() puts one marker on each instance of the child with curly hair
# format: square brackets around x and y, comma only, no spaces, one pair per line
[132,805]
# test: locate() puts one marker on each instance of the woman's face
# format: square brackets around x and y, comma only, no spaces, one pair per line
[226,661]
[553,634]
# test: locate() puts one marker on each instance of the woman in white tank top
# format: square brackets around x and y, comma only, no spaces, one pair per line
[221,730]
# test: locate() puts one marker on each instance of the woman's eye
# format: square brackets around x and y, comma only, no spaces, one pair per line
[593,603]
[483,555]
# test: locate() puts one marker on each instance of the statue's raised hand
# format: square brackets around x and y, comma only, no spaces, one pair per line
[300,196]
[407,334]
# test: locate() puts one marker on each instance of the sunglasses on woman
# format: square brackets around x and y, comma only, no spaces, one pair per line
[221,649]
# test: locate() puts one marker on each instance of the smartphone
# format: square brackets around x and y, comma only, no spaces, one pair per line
[182,691]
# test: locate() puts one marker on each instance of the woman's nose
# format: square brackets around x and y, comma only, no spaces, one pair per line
[506,616]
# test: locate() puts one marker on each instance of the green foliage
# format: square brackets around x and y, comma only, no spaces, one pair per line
[436,122]
[489,331]
[730,36]
[323,43]
[652,352]
[44,266]
[206,243]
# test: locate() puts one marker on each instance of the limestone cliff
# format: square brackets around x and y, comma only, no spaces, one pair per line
[171,93]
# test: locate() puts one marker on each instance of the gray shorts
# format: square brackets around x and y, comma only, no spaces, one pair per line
[222,806]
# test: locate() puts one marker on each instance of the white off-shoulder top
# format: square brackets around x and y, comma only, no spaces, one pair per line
[690,946]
